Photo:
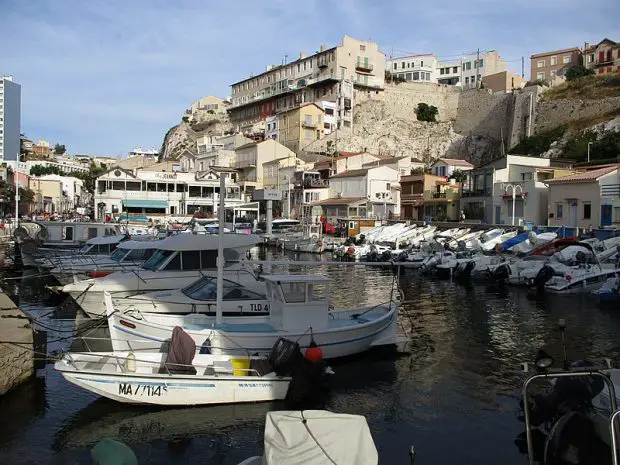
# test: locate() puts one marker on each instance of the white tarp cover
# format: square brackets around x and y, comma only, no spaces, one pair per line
[346,438]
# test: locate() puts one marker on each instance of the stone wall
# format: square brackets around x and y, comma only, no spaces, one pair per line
[554,113]
[16,361]
[402,99]
[521,114]
[481,113]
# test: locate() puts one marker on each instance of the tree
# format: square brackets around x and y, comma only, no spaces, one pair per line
[41,170]
[427,112]
[577,71]
[59,149]
[90,177]
[459,176]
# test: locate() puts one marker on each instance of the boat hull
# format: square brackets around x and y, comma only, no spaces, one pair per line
[130,333]
[180,390]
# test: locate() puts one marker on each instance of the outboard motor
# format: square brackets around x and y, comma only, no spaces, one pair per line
[501,273]
[463,271]
[386,256]
[402,257]
[543,276]
[461,246]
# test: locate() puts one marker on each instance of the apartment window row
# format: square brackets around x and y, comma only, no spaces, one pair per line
[455,70]
[288,71]
[586,210]
[467,65]
[415,76]
[408,64]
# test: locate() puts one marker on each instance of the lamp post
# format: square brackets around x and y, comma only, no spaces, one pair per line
[589,144]
[514,188]
[288,195]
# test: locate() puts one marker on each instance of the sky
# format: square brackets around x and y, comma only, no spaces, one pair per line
[105,76]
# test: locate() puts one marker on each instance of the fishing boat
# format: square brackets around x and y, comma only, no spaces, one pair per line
[179,261]
[180,377]
[316,437]
[299,310]
[309,239]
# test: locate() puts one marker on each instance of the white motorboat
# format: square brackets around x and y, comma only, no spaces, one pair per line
[582,278]
[129,255]
[179,261]
[495,241]
[309,239]
[179,376]
[533,241]
[199,297]
[299,310]
[97,248]
[316,437]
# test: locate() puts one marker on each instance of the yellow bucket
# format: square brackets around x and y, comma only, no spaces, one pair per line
[240,366]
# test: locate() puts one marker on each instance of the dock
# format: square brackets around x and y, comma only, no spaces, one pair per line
[16,345]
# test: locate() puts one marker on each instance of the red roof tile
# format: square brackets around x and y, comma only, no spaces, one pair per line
[455,162]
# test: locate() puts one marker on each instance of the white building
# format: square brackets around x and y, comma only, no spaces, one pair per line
[463,71]
[65,165]
[10,119]
[378,187]
[417,68]
[72,188]
[329,118]
[271,127]
[447,166]
[154,193]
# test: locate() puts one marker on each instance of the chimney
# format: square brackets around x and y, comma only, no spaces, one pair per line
[586,46]
[302,55]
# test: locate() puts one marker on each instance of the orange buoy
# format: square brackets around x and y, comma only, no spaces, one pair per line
[98,273]
[313,352]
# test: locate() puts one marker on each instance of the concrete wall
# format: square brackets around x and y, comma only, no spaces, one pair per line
[403,99]
[580,192]
[16,362]
[551,114]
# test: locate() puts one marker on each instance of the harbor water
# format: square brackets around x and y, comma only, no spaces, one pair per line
[454,397]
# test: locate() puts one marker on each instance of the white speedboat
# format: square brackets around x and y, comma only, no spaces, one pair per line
[309,239]
[199,297]
[582,278]
[299,310]
[316,437]
[179,261]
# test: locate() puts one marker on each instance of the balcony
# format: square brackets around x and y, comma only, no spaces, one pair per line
[321,79]
[364,67]
[312,182]
[308,123]
[322,63]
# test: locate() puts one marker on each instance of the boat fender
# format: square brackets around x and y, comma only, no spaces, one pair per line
[130,363]
[314,352]
[319,243]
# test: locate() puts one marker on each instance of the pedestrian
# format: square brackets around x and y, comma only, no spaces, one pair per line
[462,216]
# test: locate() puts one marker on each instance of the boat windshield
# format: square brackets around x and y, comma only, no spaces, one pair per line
[206,289]
[157,259]
[118,254]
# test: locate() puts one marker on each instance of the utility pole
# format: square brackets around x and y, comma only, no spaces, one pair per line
[477,69]
[522,67]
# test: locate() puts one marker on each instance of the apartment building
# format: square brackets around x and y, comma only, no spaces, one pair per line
[300,126]
[329,115]
[447,166]
[428,196]
[416,68]
[504,81]
[468,70]
[330,74]
[603,57]
[10,119]
[210,104]
[551,66]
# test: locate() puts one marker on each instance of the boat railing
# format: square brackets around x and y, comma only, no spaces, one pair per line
[121,363]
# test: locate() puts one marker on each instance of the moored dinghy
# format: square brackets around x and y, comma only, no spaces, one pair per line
[180,376]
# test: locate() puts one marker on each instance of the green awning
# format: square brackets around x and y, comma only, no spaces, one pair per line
[145,203]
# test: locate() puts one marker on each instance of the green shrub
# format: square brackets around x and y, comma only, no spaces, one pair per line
[539,143]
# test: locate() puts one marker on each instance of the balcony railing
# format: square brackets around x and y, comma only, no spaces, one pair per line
[312,182]
[312,81]
[309,123]
[361,66]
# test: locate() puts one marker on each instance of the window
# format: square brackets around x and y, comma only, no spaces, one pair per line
[587,210]
[554,61]
[416,76]
[421,63]
[591,58]
[481,63]
[402,65]
[559,210]
[387,186]
[552,74]
[363,48]
[395,65]
[540,76]
[441,71]
[616,214]
[308,133]
[454,69]
[540,64]
[466,80]
[468,65]
[566,59]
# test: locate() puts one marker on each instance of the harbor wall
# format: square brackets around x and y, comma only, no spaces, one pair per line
[17,358]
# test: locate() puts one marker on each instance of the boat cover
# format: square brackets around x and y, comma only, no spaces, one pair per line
[181,352]
[345,438]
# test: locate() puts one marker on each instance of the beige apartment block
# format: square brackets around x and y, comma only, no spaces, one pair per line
[603,57]
[504,81]
[250,158]
[330,74]
[300,126]
[551,66]
[209,103]
[48,196]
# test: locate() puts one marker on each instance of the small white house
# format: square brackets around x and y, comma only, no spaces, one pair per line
[447,166]
[591,198]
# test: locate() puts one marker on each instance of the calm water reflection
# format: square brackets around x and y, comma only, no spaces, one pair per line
[454,398]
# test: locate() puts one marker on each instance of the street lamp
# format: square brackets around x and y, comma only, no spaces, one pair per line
[514,188]
[288,195]
[589,144]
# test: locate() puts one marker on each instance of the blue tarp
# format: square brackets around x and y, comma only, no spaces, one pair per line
[145,203]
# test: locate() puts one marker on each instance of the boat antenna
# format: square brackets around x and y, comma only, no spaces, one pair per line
[220,253]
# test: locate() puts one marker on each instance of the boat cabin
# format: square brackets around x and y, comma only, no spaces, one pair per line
[73,233]
[298,301]
[205,289]
[190,252]
[103,245]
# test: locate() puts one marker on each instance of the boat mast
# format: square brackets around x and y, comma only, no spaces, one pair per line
[220,253]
